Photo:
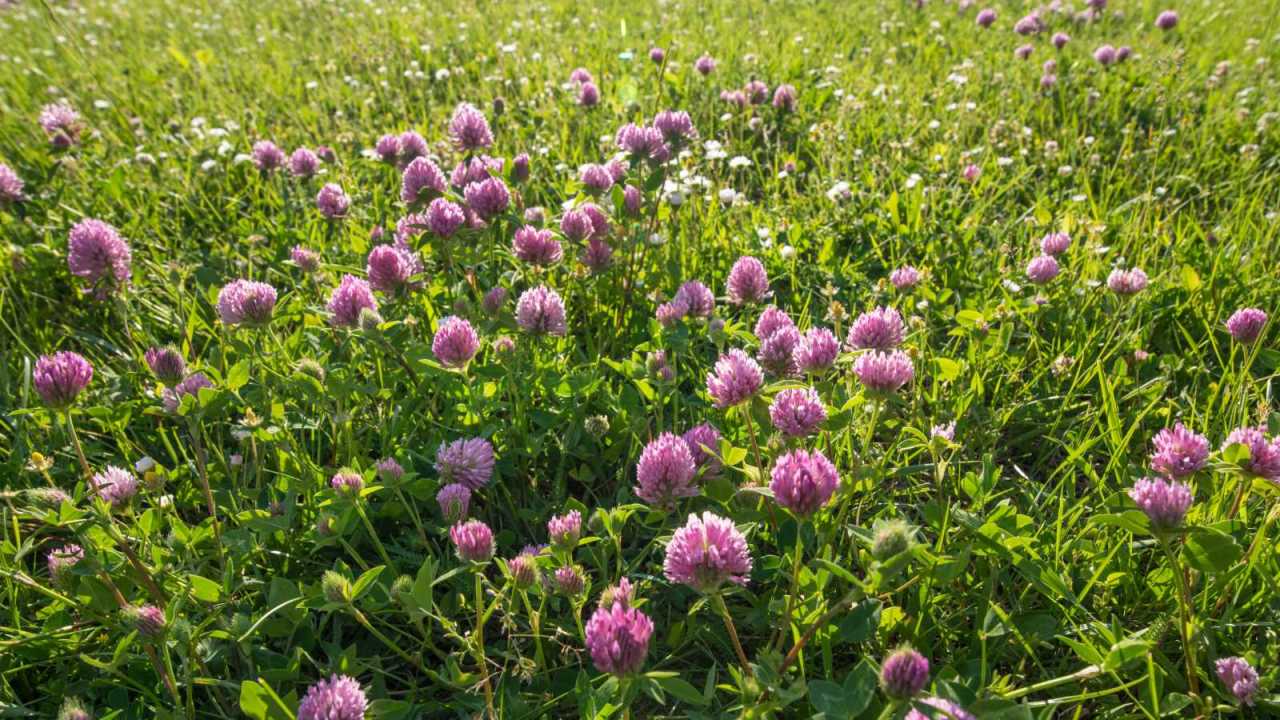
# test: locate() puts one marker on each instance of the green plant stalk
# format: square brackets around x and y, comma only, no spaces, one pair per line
[364,566]
[202,469]
[1242,487]
[862,458]
[188,681]
[1258,539]
[1084,673]
[1184,614]
[382,637]
[718,600]
[849,599]
[479,646]
[624,696]
[413,515]
[785,628]
[1151,685]
[400,359]
[751,432]
[1086,696]
[876,406]
[30,582]
[170,676]
[152,588]
[1243,379]
[373,535]
[75,443]
[535,625]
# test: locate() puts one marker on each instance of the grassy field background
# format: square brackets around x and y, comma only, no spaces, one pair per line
[1036,588]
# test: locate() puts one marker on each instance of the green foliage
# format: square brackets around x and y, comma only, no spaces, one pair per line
[1032,582]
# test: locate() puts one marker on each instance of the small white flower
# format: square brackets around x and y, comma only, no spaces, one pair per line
[739,161]
[656,239]
[728,195]
[839,192]
[787,252]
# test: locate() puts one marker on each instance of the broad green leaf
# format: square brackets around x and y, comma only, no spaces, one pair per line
[1125,652]
[829,699]
[205,589]
[861,622]
[860,687]
[837,570]
[238,375]
[682,690]
[1211,551]
[387,709]
[1132,520]
[365,581]
[1190,278]
[261,703]
[948,369]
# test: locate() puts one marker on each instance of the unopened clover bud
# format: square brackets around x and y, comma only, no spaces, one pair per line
[148,620]
[596,426]
[310,368]
[389,470]
[336,587]
[524,570]
[73,710]
[715,326]
[370,320]
[48,497]
[891,538]
[401,589]
[569,580]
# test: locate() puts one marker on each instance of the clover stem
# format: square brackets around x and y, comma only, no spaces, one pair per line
[718,600]
[1184,612]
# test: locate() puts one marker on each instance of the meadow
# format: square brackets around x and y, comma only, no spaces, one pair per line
[873,359]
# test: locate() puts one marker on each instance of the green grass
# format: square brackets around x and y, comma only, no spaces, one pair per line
[1036,590]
